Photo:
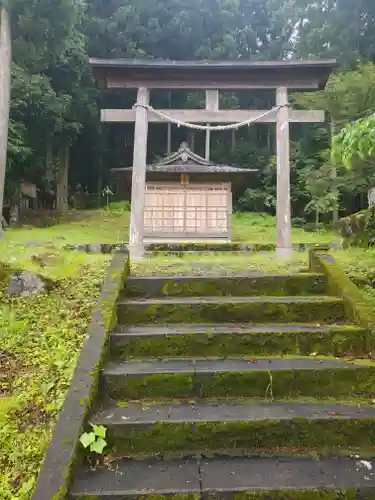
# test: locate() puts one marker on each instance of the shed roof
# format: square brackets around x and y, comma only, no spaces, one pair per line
[124,72]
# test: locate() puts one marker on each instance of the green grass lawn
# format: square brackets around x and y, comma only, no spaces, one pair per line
[40,338]
[217,263]
[101,226]
[261,228]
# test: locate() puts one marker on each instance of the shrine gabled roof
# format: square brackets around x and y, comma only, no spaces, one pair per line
[185,161]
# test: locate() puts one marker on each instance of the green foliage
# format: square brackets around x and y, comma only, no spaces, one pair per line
[94,440]
[355,143]
[255,200]
[55,101]
[348,95]
[118,207]
[40,339]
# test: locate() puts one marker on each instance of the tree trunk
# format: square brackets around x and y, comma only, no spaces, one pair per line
[99,188]
[14,215]
[49,163]
[62,180]
[5,79]
[362,200]
[336,208]
[15,202]
[335,212]
[317,217]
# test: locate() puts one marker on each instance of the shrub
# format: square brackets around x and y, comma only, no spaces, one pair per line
[298,222]
[118,207]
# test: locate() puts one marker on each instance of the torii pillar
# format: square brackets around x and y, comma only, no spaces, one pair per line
[136,245]
[284,246]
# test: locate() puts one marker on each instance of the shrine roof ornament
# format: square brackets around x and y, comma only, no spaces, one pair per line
[185,161]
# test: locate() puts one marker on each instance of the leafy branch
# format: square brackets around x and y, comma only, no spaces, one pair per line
[355,143]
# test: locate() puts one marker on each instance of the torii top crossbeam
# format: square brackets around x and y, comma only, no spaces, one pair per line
[232,75]
[212,76]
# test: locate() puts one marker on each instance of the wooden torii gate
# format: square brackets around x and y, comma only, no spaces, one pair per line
[212,77]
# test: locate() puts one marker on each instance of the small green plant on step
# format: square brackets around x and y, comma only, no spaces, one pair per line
[94,440]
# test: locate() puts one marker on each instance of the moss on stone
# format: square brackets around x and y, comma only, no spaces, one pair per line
[153,386]
[180,496]
[88,497]
[319,384]
[338,341]
[291,383]
[299,495]
[356,402]
[261,495]
[353,229]
[357,308]
[272,285]
[190,438]
[327,310]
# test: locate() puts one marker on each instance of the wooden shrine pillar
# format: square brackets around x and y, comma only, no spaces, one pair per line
[283,204]
[136,244]
[212,104]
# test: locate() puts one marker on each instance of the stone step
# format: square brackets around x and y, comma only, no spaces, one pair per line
[230,427]
[236,339]
[238,377]
[297,479]
[240,285]
[230,309]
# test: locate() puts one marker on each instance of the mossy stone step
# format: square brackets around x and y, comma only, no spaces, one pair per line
[236,285]
[225,427]
[139,479]
[230,309]
[236,339]
[247,478]
[238,377]
[268,479]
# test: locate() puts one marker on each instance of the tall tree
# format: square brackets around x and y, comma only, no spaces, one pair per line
[5,76]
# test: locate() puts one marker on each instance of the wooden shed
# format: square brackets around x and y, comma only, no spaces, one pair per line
[187,198]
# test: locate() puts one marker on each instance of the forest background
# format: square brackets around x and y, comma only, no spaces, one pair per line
[54,119]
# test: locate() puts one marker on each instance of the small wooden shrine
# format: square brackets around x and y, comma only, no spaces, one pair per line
[187,198]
